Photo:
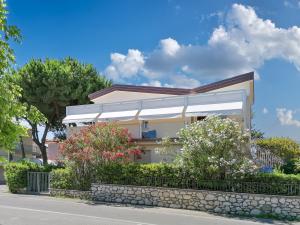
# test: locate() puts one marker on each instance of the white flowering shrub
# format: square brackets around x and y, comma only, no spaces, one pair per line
[216,148]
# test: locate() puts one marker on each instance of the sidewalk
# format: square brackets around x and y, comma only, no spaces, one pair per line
[3,188]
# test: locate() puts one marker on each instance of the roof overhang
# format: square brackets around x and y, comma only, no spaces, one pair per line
[176,91]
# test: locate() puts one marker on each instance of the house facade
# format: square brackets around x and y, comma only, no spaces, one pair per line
[151,113]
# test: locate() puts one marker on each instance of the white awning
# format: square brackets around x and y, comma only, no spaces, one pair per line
[81,118]
[228,108]
[119,115]
[161,113]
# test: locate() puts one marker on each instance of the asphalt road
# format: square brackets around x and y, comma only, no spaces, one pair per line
[43,210]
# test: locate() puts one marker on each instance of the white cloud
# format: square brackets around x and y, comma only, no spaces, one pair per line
[265,110]
[157,83]
[293,4]
[169,46]
[125,66]
[286,117]
[243,43]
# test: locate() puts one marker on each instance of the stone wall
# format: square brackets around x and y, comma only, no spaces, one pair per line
[211,201]
[70,193]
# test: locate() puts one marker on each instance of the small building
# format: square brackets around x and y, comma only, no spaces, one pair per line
[151,113]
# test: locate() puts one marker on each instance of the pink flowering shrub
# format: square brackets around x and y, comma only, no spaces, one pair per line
[96,145]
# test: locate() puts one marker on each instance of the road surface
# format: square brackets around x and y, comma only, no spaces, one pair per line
[44,210]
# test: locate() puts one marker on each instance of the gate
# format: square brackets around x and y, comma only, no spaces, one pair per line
[38,182]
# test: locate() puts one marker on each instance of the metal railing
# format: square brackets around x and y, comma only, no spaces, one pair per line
[265,157]
[240,186]
[38,182]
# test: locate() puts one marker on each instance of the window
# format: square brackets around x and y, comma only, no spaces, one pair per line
[145,125]
[200,118]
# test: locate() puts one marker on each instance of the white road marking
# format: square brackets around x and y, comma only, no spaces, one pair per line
[73,214]
[156,210]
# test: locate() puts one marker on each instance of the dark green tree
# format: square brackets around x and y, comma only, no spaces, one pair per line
[51,85]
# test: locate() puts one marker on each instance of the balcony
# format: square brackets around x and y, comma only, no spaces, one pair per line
[218,103]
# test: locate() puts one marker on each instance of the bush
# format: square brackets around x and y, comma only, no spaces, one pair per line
[138,173]
[63,179]
[216,148]
[16,174]
[284,148]
[95,145]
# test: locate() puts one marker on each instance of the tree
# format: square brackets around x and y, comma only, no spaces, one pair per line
[49,86]
[10,130]
[215,148]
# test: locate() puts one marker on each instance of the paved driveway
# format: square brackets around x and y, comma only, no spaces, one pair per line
[43,210]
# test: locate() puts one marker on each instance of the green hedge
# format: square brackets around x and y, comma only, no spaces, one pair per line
[63,179]
[16,173]
[169,175]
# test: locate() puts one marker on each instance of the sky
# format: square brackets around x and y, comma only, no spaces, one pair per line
[176,43]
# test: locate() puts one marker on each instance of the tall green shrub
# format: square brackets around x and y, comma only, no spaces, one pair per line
[63,179]
[16,174]
[216,148]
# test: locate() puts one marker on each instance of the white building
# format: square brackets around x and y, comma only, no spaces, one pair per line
[151,113]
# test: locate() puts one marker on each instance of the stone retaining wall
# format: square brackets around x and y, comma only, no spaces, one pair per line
[211,201]
[70,193]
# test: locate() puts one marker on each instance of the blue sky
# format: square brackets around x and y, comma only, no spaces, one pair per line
[176,43]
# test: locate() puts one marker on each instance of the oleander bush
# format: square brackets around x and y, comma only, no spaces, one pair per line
[97,145]
[216,148]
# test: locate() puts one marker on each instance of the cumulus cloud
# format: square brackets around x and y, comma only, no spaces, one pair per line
[286,117]
[243,43]
[125,66]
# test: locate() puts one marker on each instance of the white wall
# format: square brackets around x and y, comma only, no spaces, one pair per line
[122,96]
[166,128]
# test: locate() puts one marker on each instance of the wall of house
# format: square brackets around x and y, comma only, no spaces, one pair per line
[163,127]
[166,127]
[151,153]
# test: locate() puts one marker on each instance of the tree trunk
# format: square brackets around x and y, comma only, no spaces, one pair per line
[40,143]
[43,150]
[22,148]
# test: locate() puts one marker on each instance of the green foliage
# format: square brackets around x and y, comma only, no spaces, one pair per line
[7,33]
[215,147]
[284,148]
[63,179]
[16,174]
[136,173]
[96,145]
[49,86]
[256,134]
[10,131]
